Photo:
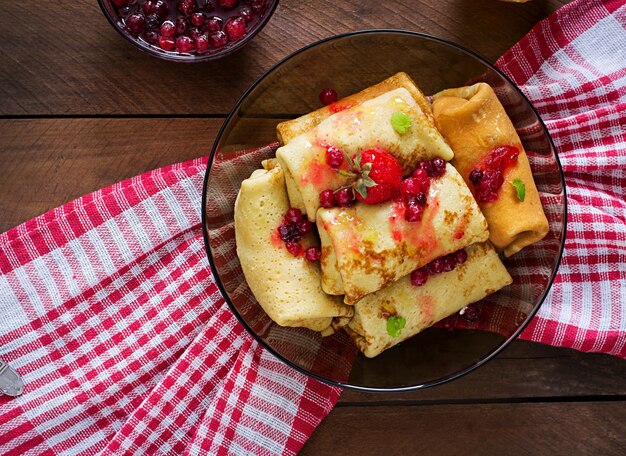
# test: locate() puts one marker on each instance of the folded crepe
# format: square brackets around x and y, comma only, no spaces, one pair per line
[288,288]
[365,247]
[362,126]
[442,295]
[474,122]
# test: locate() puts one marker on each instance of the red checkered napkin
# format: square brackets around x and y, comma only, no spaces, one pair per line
[572,66]
[111,314]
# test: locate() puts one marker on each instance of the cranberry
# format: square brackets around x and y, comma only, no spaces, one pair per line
[448,263]
[413,212]
[437,265]
[195,33]
[293,215]
[420,174]
[327,96]
[125,11]
[327,198]
[184,44]
[153,21]
[120,3]
[235,28]
[294,248]
[334,157]
[152,37]
[167,43]
[475,176]
[420,198]
[426,166]
[218,40]
[438,166]
[201,44]
[247,14]
[198,19]
[258,5]
[161,9]
[227,4]
[304,226]
[419,277]
[206,5]
[289,233]
[313,254]
[410,187]
[182,24]
[158,7]
[214,24]
[135,23]
[345,197]
[187,7]
[460,256]
[470,313]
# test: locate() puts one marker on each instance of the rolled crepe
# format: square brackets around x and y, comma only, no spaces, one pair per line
[365,247]
[288,288]
[289,129]
[442,295]
[474,122]
[360,127]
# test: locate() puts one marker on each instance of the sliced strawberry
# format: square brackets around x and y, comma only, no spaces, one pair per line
[380,176]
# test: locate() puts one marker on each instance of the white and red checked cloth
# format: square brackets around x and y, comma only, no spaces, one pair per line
[109,311]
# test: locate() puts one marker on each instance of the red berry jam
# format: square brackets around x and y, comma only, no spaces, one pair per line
[444,263]
[328,96]
[414,189]
[488,176]
[190,26]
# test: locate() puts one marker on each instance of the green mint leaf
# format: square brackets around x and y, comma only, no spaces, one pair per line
[400,122]
[520,187]
[395,323]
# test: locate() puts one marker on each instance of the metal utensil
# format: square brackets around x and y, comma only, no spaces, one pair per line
[11,383]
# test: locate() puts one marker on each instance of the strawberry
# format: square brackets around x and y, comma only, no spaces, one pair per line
[380,176]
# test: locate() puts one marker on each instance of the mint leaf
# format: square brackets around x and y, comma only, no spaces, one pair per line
[520,187]
[395,323]
[400,122]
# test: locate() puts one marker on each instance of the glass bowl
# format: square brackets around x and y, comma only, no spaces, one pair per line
[349,63]
[259,12]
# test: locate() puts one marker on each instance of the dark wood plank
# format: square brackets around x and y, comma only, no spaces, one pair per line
[48,162]
[523,370]
[65,58]
[580,428]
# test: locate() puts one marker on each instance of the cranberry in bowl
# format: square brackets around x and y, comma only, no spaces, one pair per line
[188,30]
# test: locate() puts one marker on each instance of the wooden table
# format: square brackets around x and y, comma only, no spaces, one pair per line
[81,109]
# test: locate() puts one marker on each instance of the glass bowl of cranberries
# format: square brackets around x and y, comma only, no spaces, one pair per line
[188,30]
[324,73]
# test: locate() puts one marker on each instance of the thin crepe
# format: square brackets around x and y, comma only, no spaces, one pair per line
[474,122]
[443,294]
[365,247]
[363,126]
[288,288]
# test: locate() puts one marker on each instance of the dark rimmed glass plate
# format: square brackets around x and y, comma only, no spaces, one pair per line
[349,63]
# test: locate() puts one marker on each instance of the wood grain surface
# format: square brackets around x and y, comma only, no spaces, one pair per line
[82,109]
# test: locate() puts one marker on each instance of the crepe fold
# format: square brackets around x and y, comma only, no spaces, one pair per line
[365,247]
[442,295]
[288,288]
[363,126]
[474,122]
